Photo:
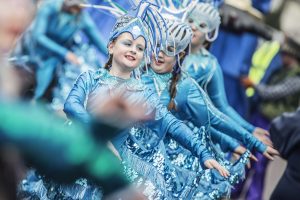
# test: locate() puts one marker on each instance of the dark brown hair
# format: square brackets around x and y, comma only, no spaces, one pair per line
[172,90]
[176,74]
[109,62]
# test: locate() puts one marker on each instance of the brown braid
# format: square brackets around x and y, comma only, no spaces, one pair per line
[176,74]
[173,90]
[109,62]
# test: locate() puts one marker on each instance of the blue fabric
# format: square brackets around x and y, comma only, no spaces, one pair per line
[143,151]
[275,64]
[53,29]
[162,180]
[193,105]
[44,76]
[227,143]
[52,36]
[104,21]
[205,69]
[262,5]
[236,95]
[234,53]
[90,86]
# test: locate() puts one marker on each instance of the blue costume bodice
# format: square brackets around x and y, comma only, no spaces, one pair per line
[205,69]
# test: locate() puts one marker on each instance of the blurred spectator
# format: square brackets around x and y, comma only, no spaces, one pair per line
[234,50]
[61,152]
[281,93]
[51,37]
[267,64]
[285,134]
[11,27]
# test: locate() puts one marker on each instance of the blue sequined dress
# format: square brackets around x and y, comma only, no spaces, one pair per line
[141,147]
[194,107]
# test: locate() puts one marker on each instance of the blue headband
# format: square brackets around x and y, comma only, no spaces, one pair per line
[131,25]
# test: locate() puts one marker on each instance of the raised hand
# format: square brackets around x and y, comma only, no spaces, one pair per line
[247,82]
[72,58]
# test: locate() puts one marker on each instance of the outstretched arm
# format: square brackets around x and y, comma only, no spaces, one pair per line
[167,123]
[217,94]
[220,121]
[288,86]
[227,143]
[40,30]
[75,104]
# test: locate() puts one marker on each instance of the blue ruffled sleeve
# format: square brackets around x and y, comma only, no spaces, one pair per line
[75,104]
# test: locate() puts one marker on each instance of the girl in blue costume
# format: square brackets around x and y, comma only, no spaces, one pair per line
[189,102]
[141,149]
[204,19]
[51,40]
[210,76]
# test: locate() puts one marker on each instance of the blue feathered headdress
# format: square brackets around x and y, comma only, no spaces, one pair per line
[143,19]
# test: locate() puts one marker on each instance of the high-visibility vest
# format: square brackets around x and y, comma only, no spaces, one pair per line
[260,62]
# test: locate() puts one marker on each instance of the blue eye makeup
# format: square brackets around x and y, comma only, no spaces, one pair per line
[127,42]
[140,48]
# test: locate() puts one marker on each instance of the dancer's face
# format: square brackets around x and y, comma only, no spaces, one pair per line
[127,52]
[198,36]
[15,16]
[164,63]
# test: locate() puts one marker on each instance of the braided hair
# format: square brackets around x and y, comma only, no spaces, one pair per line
[176,75]
[180,35]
